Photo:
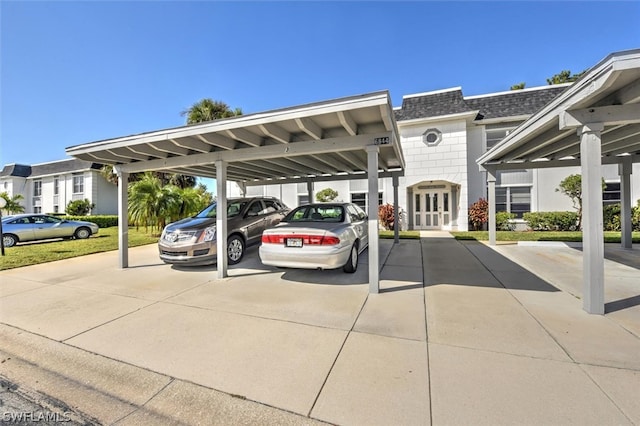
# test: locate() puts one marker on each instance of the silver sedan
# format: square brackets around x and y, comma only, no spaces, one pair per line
[31,227]
[317,236]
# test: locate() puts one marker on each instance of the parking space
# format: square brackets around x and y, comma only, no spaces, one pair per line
[460,332]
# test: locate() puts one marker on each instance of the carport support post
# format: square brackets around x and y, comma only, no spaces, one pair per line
[374,259]
[310,191]
[123,219]
[624,170]
[396,213]
[221,218]
[491,195]
[592,231]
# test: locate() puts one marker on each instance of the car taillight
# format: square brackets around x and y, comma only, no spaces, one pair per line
[272,239]
[312,240]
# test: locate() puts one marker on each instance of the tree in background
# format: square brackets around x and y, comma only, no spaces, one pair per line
[518,86]
[326,195]
[564,76]
[208,110]
[12,203]
[571,186]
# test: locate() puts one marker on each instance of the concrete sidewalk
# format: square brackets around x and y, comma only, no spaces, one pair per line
[459,334]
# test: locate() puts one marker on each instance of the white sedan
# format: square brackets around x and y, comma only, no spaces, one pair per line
[317,236]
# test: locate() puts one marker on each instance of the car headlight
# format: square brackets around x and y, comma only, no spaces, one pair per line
[209,234]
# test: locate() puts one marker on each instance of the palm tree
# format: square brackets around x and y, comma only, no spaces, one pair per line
[151,203]
[13,203]
[208,110]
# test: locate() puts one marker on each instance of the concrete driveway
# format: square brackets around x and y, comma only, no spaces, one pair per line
[460,333]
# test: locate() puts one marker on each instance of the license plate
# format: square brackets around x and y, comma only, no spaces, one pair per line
[294,242]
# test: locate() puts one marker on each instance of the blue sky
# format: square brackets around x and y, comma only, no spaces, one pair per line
[78,72]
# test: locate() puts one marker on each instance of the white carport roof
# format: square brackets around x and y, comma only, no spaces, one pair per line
[314,140]
[348,138]
[594,121]
[608,93]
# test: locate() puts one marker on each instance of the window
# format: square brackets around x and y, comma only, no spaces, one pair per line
[78,183]
[37,188]
[360,199]
[56,185]
[496,135]
[37,209]
[432,137]
[611,194]
[513,199]
[303,199]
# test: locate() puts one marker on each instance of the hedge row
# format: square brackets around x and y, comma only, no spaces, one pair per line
[103,221]
[552,221]
[611,217]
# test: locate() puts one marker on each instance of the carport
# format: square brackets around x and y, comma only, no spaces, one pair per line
[595,121]
[348,138]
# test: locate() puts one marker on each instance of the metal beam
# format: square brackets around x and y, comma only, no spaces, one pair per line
[348,123]
[308,126]
[147,150]
[624,170]
[245,136]
[607,115]
[347,143]
[123,218]
[193,144]
[218,140]
[169,147]
[276,132]
[320,178]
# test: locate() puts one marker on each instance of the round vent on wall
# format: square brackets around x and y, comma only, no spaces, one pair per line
[432,137]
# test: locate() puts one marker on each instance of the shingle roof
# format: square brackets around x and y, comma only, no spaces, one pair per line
[55,167]
[497,105]
[432,105]
[19,170]
[514,103]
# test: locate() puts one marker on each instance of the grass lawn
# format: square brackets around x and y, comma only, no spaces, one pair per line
[50,250]
[409,235]
[609,237]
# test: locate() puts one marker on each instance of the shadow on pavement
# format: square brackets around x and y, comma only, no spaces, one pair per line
[621,304]
[471,263]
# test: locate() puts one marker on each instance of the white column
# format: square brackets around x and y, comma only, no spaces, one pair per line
[491,195]
[123,219]
[310,191]
[396,210]
[592,229]
[374,249]
[624,170]
[221,218]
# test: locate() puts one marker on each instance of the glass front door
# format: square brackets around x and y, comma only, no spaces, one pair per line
[432,209]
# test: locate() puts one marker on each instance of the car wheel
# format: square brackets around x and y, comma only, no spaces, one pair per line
[235,249]
[82,233]
[352,264]
[9,240]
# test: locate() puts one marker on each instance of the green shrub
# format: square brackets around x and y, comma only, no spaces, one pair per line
[103,221]
[611,217]
[551,221]
[504,221]
[635,217]
[79,207]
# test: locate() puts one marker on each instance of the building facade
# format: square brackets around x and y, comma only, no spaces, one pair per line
[442,134]
[49,187]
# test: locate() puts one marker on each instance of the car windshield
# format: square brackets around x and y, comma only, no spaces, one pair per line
[233,209]
[316,213]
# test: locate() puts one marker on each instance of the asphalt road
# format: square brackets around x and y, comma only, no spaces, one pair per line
[22,406]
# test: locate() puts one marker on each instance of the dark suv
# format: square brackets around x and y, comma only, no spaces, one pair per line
[192,241]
